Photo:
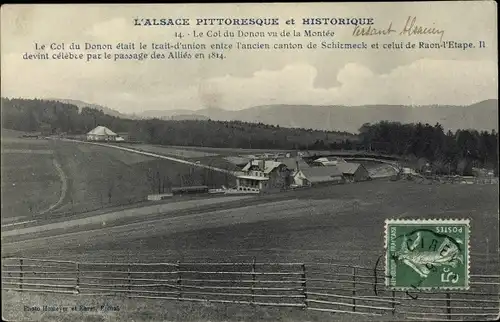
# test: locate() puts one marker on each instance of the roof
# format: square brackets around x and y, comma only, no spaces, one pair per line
[291,163]
[253,178]
[237,160]
[329,160]
[102,130]
[322,159]
[268,165]
[347,167]
[322,174]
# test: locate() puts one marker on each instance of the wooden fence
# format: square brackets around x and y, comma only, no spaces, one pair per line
[322,287]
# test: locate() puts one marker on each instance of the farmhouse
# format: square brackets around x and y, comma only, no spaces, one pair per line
[318,175]
[353,172]
[263,175]
[294,164]
[101,133]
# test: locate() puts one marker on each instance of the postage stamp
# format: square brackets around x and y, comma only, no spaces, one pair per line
[427,254]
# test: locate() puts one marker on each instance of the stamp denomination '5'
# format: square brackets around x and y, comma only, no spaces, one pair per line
[427,254]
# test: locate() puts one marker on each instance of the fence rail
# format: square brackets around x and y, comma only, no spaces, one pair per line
[322,287]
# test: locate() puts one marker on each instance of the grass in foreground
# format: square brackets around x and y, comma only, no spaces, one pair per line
[13,304]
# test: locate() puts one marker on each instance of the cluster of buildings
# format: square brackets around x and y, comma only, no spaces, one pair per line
[280,174]
[274,172]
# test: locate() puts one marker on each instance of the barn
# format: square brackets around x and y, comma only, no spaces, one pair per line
[101,133]
[312,176]
[353,172]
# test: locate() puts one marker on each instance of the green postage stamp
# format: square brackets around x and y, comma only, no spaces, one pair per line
[427,254]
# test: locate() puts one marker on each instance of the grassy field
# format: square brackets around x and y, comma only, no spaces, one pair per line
[96,177]
[151,310]
[183,153]
[337,224]
[30,181]
[104,177]
[228,151]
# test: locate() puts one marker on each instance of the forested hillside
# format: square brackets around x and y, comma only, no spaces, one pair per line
[447,152]
[56,117]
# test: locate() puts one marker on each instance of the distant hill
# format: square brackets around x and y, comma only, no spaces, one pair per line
[184,117]
[104,109]
[480,116]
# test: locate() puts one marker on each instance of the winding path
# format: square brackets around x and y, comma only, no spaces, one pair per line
[64,187]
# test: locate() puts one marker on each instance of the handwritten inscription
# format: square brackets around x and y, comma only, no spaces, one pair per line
[410,28]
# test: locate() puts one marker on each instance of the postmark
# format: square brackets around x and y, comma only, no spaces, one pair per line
[427,254]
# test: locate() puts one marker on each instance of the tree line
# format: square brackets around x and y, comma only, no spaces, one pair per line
[54,117]
[446,152]
[430,146]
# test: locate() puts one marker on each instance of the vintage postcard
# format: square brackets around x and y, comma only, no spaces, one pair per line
[250,162]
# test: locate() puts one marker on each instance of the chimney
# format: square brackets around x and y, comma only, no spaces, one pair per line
[262,164]
[297,164]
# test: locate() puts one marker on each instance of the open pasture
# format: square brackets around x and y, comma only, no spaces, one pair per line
[179,152]
[228,151]
[339,224]
[342,224]
[95,177]
[101,177]
[30,180]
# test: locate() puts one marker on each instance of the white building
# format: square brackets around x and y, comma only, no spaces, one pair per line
[102,133]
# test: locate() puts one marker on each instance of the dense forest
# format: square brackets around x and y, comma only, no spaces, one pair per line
[447,152]
[55,117]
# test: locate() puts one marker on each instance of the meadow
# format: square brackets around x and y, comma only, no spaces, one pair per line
[95,177]
[179,152]
[103,177]
[30,180]
[342,224]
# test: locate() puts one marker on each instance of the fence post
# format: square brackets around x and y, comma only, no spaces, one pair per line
[393,302]
[21,275]
[179,280]
[77,286]
[448,305]
[129,282]
[304,286]
[253,281]
[354,288]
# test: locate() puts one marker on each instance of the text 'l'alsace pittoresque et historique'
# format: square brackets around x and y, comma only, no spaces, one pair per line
[218,38]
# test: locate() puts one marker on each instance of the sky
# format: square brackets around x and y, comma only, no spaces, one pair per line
[251,78]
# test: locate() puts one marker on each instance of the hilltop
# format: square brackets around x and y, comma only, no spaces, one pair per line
[479,116]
